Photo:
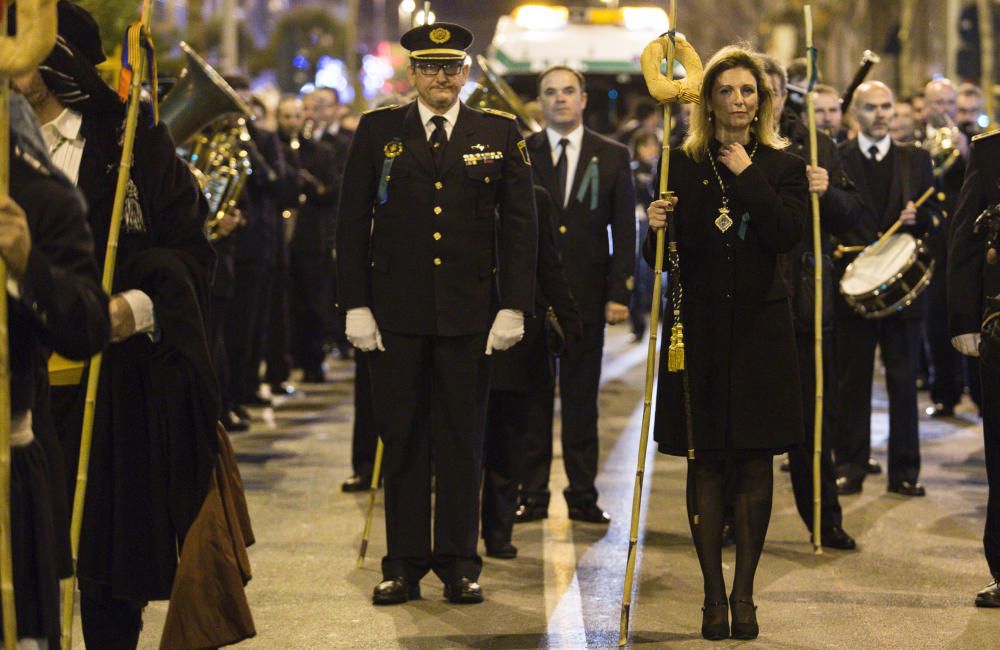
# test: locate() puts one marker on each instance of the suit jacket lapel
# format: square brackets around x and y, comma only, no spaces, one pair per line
[588,147]
[541,160]
[415,138]
[895,188]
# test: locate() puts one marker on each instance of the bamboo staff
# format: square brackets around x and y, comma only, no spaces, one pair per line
[654,322]
[899,223]
[818,288]
[36,22]
[376,474]
[107,279]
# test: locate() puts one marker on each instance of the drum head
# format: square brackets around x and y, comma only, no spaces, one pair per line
[872,269]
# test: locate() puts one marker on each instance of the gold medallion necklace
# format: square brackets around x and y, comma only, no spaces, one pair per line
[724,222]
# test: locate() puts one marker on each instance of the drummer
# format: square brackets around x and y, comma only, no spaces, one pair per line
[890,176]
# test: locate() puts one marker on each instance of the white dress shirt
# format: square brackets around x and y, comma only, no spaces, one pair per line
[575,138]
[450,116]
[865,144]
[62,136]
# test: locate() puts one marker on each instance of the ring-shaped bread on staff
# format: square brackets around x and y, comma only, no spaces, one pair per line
[36,34]
[666,90]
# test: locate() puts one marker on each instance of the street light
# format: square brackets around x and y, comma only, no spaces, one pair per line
[420,19]
[404,15]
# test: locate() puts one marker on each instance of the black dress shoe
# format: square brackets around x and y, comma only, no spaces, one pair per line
[356,483]
[846,485]
[284,388]
[505,551]
[242,412]
[835,537]
[314,377]
[728,534]
[531,512]
[939,410]
[873,467]
[744,619]
[463,592]
[715,621]
[990,596]
[786,465]
[257,400]
[590,513]
[233,423]
[393,591]
[908,489]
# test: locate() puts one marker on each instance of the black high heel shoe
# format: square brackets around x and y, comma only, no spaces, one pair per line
[744,619]
[715,621]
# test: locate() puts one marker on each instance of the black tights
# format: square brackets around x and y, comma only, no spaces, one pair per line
[752,474]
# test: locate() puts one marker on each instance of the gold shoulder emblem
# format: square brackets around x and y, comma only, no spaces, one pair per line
[440,35]
[493,111]
[380,108]
[522,146]
[983,136]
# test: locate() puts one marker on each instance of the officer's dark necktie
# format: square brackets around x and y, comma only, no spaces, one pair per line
[873,153]
[562,169]
[439,140]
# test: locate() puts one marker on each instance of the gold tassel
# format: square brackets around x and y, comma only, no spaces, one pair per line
[675,353]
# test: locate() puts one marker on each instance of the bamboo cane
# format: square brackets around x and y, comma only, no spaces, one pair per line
[896,226]
[818,292]
[36,21]
[654,323]
[376,474]
[94,372]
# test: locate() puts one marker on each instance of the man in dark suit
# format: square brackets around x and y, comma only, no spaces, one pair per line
[890,177]
[156,373]
[840,206]
[316,187]
[436,240]
[973,287]
[523,371]
[590,181]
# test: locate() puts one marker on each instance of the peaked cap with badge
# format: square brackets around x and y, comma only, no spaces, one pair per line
[437,42]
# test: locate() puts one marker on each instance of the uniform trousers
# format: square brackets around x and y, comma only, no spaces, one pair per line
[435,389]
[509,414]
[946,387]
[246,325]
[579,382]
[991,443]
[800,458]
[310,303]
[898,340]
[365,436]
[279,366]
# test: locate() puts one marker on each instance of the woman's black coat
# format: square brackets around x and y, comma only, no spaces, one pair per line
[738,333]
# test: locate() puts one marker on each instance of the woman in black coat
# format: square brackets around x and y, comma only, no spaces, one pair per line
[739,203]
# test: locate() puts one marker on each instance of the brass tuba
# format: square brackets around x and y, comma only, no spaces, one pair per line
[942,145]
[207,119]
[493,92]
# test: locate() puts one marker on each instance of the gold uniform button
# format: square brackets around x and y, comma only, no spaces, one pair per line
[437,261]
[438,185]
[486,180]
[437,236]
[437,209]
[562,230]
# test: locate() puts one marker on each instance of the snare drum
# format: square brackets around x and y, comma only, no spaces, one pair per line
[885,280]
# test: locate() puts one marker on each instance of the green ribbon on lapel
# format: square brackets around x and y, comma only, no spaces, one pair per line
[590,182]
[392,151]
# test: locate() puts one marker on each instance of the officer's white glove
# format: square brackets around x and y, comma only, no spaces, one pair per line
[508,329]
[362,331]
[967,344]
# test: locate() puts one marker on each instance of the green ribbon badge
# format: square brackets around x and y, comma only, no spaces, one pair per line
[391,151]
[590,183]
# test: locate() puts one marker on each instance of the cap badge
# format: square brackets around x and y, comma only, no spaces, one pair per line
[440,35]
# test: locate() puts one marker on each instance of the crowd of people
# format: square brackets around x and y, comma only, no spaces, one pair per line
[469,267]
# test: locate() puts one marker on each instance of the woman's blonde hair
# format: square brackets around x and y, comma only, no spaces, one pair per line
[702,128]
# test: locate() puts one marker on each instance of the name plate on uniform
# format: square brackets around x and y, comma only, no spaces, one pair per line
[65,372]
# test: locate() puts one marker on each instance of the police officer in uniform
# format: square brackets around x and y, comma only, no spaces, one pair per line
[436,249]
[973,287]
